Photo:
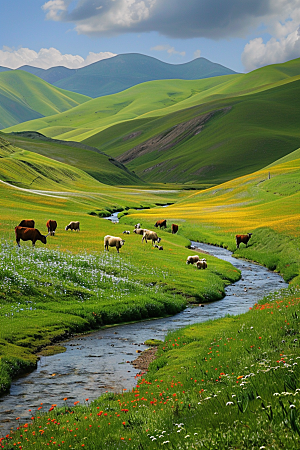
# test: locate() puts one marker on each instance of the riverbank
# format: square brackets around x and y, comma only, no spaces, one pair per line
[231,382]
[47,295]
[113,349]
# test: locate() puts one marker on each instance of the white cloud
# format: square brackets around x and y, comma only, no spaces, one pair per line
[54,8]
[47,57]
[167,48]
[197,54]
[258,54]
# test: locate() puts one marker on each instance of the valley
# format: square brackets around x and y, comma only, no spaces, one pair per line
[223,153]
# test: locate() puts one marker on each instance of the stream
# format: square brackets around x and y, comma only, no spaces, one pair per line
[101,361]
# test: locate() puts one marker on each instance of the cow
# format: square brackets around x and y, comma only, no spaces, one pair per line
[73,226]
[242,238]
[51,226]
[29,234]
[174,228]
[161,223]
[151,236]
[29,223]
[137,226]
[113,241]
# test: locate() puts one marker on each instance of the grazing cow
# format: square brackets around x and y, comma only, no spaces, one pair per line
[113,241]
[174,228]
[51,226]
[201,264]
[29,234]
[242,238]
[151,236]
[139,230]
[137,226]
[192,259]
[29,223]
[73,226]
[161,223]
[126,232]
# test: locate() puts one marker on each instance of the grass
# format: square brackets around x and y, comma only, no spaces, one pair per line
[226,383]
[267,207]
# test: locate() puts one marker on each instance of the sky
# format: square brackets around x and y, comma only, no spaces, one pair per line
[242,35]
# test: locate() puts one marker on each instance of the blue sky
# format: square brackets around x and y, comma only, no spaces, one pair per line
[240,34]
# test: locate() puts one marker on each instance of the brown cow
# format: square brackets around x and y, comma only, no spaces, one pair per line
[242,238]
[51,226]
[161,223]
[174,228]
[29,234]
[29,223]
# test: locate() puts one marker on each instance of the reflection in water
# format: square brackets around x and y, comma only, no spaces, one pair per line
[100,361]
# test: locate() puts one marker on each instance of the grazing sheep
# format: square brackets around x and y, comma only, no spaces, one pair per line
[201,264]
[192,259]
[137,226]
[113,241]
[150,236]
[139,230]
[126,232]
[242,238]
[73,226]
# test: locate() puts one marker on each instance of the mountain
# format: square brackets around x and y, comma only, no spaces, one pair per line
[24,96]
[4,69]
[116,74]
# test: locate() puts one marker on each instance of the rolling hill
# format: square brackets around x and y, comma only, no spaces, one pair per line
[92,161]
[116,74]
[200,131]
[24,96]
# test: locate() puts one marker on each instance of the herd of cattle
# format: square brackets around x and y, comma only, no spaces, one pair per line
[25,231]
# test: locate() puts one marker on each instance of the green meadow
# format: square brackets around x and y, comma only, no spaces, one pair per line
[227,383]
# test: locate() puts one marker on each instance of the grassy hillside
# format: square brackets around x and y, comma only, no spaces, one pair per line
[202,132]
[92,161]
[24,97]
[265,203]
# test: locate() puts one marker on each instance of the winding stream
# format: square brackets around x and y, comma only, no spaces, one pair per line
[101,361]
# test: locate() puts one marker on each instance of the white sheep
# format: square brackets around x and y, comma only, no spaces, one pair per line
[139,230]
[150,236]
[192,259]
[201,264]
[113,241]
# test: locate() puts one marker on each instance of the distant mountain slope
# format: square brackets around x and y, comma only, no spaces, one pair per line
[24,96]
[116,74]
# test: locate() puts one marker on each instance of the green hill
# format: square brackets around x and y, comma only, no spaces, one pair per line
[201,131]
[24,96]
[116,74]
[92,161]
